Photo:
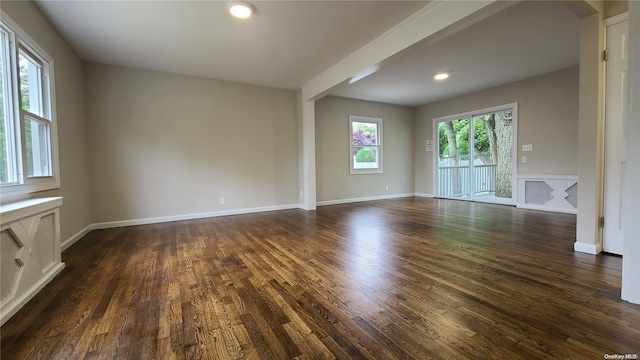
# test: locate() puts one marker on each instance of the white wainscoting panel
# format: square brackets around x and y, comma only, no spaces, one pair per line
[557,193]
[29,251]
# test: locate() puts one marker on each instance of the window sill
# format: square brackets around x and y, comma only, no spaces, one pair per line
[9,191]
[365,171]
[21,209]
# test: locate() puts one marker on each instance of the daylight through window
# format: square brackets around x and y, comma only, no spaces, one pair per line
[27,133]
[366,144]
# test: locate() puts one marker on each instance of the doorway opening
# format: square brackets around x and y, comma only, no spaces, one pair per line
[475,157]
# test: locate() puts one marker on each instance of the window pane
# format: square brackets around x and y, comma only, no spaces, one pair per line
[36,134]
[4,165]
[365,133]
[365,157]
[7,170]
[30,84]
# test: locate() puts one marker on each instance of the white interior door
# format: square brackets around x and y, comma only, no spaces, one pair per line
[615,140]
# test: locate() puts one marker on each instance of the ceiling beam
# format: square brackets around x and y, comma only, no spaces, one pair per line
[435,20]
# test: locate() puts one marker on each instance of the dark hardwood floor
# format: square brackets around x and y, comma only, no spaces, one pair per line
[398,279]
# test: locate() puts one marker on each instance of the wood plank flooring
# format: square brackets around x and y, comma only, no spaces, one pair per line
[398,279]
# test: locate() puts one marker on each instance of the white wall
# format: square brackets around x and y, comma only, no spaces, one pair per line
[547,119]
[332,150]
[75,214]
[631,258]
[165,145]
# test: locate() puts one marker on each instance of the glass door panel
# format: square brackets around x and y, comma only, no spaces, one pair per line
[484,159]
[493,162]
[453,159]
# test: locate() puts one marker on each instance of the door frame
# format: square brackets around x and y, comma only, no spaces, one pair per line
[613,20]
[470,115]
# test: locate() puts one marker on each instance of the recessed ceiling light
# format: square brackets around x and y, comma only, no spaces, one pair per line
[441,76]
[241,10]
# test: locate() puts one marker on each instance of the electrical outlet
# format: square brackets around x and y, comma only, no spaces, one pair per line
[221,201]
[524,159]
[528,147]
[386,188]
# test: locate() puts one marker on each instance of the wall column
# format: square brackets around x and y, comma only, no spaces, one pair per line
[590,130]
[631,258]
[307,181]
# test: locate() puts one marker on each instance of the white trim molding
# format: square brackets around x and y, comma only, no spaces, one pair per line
[362,199]
[616,19]
[157,220]
[115,224]
[72,240]
[146,221]
[592,249]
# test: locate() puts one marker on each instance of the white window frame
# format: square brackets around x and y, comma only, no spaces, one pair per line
[372,120]
[23,184]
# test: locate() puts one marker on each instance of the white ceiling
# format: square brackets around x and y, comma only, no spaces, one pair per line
[528,39]
[285,44]
[288,43]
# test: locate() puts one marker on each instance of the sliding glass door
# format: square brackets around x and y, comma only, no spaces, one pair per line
[475,158]
[453,165]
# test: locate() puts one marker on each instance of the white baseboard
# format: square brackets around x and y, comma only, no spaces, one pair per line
[545,208]
[578,246]
[72,240]
[156,220]
[361,199]
[592,249]
[114,224]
